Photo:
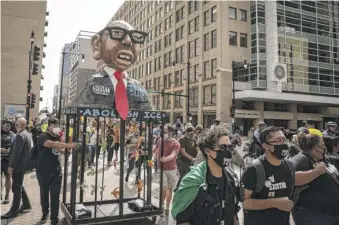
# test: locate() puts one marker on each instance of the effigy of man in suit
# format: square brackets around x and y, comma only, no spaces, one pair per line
[117,45]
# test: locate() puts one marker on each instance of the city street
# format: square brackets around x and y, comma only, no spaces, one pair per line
[111,181]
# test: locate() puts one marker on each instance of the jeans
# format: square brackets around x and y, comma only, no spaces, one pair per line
[50,186]
[93,151]
[19,192]
[131,162]
[109,153]
[302,216]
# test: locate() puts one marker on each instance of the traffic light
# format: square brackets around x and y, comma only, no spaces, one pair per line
[36,53]
[232,111]
[35,70]
[28,102]
[33,101]
[29,84]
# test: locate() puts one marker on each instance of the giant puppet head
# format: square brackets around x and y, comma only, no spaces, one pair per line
[117,45]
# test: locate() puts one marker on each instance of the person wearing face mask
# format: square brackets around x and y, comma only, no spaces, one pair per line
[208,194]
[49,172]
[7,138]
[188,152]
[318,203]
[267,192]
[17,165]
[170,173]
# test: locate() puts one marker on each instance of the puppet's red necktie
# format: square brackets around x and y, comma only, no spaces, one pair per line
[121,100]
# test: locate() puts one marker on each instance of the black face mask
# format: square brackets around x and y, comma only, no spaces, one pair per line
[224,156]
[279,150]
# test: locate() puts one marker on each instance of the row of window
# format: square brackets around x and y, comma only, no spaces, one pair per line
[209,98]
[232,14]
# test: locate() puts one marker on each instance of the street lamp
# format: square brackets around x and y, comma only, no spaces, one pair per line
[29,81]
[188,65]
[62,76]
[235,68]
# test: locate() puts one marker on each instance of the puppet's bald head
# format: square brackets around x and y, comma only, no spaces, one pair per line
[116,46]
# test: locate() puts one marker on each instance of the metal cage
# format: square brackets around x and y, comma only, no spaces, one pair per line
[124,214]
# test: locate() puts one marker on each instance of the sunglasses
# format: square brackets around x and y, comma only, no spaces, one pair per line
[119,34]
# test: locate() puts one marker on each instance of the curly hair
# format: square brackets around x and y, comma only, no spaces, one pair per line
[211,137]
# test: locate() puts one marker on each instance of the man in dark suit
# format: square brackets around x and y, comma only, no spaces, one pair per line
[117,45]
[17,167]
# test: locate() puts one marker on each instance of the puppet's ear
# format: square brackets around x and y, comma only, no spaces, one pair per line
[96,41]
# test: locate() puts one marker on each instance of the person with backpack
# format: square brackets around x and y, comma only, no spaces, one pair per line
[208,194]
[268,182]
[318,174]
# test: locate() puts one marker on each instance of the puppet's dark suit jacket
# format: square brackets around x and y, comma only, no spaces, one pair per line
[99,93]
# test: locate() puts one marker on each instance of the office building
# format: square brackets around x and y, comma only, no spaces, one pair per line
[55,99]
[81,69]
[15,46]
[64,71]
[210,34]
[294,70]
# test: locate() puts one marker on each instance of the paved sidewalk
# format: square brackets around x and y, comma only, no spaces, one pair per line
[111,181]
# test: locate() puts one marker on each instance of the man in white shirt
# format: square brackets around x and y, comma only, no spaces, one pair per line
[117,45]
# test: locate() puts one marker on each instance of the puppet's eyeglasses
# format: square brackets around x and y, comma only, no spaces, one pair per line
[118,33]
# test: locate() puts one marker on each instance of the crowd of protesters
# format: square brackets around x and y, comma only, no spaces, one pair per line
[199,183]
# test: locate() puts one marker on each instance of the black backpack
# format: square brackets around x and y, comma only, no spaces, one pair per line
[261,177]
[261,174]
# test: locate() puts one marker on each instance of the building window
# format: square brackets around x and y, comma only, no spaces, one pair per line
[232,13]
[206,42]
[179,14]
[179,54]
[210,94]
[233,38]
[243,15]
[178,99]
[196,23]
[196,47]
[214,68]
[243,40]
[194,97]
[167,101]
[213,14]
[207,18]
[196,73]
[206,69]
[191,49]
[179,33]
[214,39]
[178,78]
[191,27]
[209,118]
[193,6]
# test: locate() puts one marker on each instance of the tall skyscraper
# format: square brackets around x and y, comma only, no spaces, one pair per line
[80,70]
[64,71]
[18,20]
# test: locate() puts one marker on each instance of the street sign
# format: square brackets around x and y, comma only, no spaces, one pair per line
[11,110]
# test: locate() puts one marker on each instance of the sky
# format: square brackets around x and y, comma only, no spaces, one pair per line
[66,18]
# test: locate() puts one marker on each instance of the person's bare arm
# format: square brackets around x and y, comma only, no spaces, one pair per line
[58,145]
[171,156]
[283,204]
[185,154]
[305,177]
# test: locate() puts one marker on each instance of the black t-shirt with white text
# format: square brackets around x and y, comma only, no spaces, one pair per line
[278,184]
[322,195]
[48,158]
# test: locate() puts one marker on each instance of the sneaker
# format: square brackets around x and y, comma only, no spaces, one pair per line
[6,201]
[43,219]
